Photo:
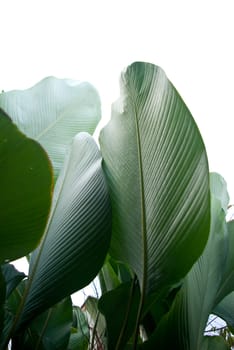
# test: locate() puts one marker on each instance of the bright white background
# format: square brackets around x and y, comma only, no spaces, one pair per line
[94,40]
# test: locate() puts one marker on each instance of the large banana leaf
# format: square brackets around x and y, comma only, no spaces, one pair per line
[208,282]
[25,191]
[156,165]
[53,112]
[77,236]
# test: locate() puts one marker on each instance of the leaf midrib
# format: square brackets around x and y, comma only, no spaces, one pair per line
[142,194]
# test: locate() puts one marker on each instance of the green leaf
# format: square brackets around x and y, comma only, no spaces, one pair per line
[2,300]
[77,236]
[215,343]
[11,305]
[50,330]
[219,190]
[113,274]
[25,187]
[156,165]
[208,282]
[97,323]
[53,112]
[12,277]
[120,307]
[79,339]
[108,278]
[225,309]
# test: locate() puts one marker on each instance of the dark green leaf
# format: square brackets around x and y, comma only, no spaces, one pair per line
[225,309]
[79,339]
[50,330]
[2,300]
[120,307]
[208,282]
[11,307]
[25,187]
[215,343]
[77,236]
[12,277]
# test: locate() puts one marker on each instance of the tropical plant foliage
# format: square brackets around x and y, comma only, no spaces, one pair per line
[142,213]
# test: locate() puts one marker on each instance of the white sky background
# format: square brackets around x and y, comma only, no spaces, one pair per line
[193,41]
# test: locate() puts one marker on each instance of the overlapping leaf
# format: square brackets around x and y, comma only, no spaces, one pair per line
[209,281]
[53,112]
[50,330]
[120,307]
[156,166]
[12,277]
[80,333]
[225,309]
[25,191]
[77,237]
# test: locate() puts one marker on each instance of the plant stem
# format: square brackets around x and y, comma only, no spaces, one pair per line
[127,314]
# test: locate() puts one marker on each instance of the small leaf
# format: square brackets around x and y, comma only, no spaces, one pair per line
[120,307]
[79,339]
[12,277]
[97,323]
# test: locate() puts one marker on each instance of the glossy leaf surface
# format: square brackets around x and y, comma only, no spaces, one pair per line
[156,165]
[77,237]
[208,282]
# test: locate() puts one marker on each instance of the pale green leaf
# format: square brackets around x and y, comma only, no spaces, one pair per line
[53,112]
